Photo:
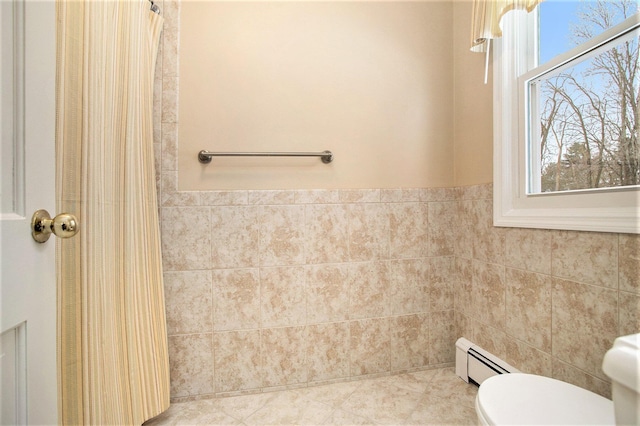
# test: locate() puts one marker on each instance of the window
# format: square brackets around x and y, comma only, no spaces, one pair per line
[567,152]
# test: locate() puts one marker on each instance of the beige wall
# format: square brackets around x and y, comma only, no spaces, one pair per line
[473,125]
[370,81]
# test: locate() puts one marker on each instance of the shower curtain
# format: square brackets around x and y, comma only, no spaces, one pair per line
[113,363]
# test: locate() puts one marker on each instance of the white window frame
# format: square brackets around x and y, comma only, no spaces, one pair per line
[602,210]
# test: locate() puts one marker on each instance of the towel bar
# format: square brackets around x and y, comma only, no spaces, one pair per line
[205,156]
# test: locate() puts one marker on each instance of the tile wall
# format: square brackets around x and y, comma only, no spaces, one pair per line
[267,289]
[274,289]
[548,302]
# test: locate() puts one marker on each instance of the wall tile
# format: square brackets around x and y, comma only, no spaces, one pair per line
[442,282]
[368,290]
[584,324]
[465,231]
[170,44]
[190,364]
[368,231]
[528,359]
[476,192]
[169,141]
[326,233]
[283,355]
[370,346]
[224,198]
[442,337]
[283,296]
[409,341]
[236,299]
[188,302]
[408,286]
[157,102]
[400,195]
[629,263]
[570,374]
[327,293]
[463,326]
[463,291]
[438,194]
[491,339]
[629,304]
[442,228]
[586,257]
[237,360]
[359,195]
[391,195]
[272,197]
[328,351]
[488,241]
[529,307]
[281,235]
[528,249]
[317,196]
[488,294]
[157,153]
[238,228]
[184,244]
[169,99]
[408,230]
[171,197]
[171,12]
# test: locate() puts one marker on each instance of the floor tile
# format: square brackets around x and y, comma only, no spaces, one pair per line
[427,397]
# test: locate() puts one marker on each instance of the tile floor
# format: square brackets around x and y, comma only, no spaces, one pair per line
[423,398]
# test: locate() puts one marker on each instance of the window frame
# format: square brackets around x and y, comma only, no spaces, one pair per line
[600,210]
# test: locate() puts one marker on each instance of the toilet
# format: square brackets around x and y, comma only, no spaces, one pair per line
[518,398]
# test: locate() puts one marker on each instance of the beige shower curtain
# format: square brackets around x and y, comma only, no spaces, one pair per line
[112,343]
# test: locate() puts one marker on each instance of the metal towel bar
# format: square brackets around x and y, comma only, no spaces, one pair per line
[205,156]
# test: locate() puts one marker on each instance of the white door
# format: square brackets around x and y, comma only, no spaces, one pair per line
[27,277]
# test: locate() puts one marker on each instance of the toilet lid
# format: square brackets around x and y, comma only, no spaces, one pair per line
[510,399]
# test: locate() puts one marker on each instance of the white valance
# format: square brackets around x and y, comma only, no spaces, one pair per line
[487,14]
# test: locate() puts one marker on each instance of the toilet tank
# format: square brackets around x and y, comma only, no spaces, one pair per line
[622,364]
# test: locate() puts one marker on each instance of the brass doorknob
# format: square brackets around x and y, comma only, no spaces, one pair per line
[64,225]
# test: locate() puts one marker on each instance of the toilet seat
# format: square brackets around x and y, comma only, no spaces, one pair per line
[511,399]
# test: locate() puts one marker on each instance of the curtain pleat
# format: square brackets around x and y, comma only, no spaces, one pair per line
[486,17]
[112,342]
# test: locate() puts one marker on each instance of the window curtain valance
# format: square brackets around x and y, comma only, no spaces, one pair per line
[486,17]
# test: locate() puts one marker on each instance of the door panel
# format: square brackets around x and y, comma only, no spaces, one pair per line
[27,274]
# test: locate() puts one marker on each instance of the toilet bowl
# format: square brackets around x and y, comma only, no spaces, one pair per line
[518,398]
[527,399]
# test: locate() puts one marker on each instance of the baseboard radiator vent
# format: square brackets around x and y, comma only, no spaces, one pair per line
[475,365]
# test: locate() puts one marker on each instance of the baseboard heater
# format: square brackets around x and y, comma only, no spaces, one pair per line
[475,365]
